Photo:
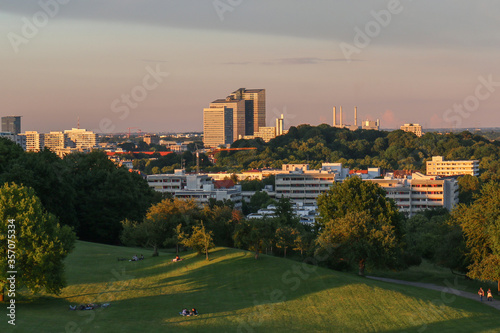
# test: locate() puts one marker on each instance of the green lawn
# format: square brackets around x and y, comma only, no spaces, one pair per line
[236,293]
[430,273]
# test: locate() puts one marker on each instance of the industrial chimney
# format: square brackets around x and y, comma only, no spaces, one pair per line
[341,116]
[355,116]
[334,117]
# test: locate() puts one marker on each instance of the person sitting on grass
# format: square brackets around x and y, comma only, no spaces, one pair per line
[194,312]
[185,312]
[141,257]
[134,258]
[177,258]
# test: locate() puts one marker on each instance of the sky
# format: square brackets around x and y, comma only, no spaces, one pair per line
[153,65]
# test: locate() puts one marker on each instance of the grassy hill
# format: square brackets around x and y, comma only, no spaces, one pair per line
[236,293]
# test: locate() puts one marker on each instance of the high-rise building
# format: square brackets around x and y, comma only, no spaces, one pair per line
[413,128]
[217,126]
[255,108]
[81,138]
[238,108]
[248,114]
[11,124]
[34,141]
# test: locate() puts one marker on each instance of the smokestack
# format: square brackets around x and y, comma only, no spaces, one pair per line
[334,117]
[355,116]
[341,116]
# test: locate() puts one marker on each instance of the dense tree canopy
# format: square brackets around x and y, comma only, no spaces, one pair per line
[358,222]
[480,222]
[37,243]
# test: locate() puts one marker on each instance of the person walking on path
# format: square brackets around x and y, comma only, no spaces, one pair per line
[481,293]
[490,295]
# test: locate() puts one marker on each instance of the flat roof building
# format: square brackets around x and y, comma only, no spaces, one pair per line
[413,128]
[439,167]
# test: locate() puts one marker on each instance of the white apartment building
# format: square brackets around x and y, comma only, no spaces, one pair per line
[420,192]
[34,141]
[197,187]
[81,138]
[302,185]
[413,128]
[20,139]
[439,167]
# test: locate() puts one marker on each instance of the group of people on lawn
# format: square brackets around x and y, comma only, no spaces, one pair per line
[136,258]
[489,295]
[186,312]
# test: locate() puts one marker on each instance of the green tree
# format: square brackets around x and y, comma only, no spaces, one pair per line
[361,239]
[106,195]
[360,223]
[200,239]
[159,226]
[253,234]
[468,186]
[40,244]
[285,237]
[480,223]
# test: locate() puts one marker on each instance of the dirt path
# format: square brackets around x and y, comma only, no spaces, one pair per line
[448,290]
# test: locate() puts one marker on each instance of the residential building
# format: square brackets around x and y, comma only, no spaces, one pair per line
[420,192]
[195,186]
[217,126]
[151,139]
[300,184]
[34,141]
[265,133]
[413,128]
[81,138]
[439,167]
[11,124]
[56,140]
[20,139]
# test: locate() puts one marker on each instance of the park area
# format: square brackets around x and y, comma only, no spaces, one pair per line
[233,292]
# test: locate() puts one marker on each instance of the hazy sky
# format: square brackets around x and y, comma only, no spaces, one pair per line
[155,64]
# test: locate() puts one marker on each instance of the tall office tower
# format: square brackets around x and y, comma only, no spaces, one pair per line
[280,123]
[217,126]
[237,106]
[255,108]
[34,141]
[11,124]
[81,138]
[55,140]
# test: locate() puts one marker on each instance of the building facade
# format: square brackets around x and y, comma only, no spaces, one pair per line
[420,192]
[11,124]
[197,187]
[81,138]
[413,128]
[439,167]
[255,108]
[34,141]
[217,126]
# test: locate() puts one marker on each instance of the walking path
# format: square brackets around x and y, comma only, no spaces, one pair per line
[448,290]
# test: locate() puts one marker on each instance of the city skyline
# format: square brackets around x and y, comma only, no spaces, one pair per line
[400,62]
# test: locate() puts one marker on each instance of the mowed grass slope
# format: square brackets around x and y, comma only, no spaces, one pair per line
[236,293]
